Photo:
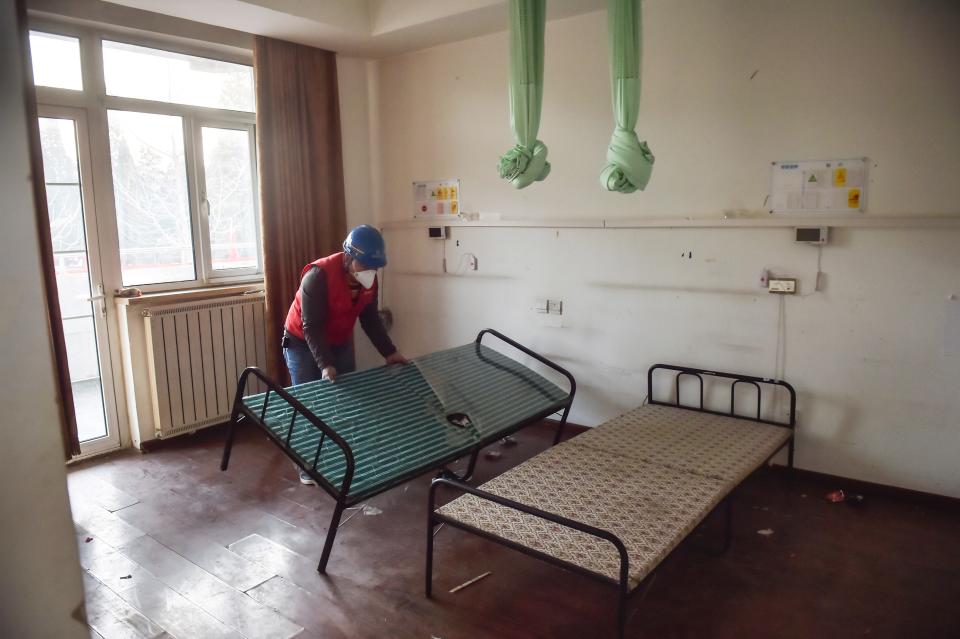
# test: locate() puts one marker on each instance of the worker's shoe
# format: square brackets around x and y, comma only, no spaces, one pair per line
[305,478]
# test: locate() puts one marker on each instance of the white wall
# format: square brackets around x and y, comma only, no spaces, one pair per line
[857,78]
[40,585]
[356,79]
[873,78]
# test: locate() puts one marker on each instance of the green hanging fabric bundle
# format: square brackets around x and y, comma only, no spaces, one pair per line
[526,162]
[629,161]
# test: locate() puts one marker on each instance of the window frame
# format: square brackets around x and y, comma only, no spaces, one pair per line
[95,101]
[83,73]
[203,206]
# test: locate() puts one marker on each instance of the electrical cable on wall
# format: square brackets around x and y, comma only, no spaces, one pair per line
[818,278]
[780,356]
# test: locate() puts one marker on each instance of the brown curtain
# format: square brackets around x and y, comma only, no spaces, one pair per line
[68,415]
[301,172]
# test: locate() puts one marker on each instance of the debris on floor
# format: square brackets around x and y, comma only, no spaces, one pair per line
[127,577]
[469,583]
[438,528]
[492,454]
[352,515]
[837,496]
[508,441]
[372,510]
[88,540]
[766,532]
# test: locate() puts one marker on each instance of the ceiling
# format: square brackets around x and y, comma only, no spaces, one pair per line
[367,28]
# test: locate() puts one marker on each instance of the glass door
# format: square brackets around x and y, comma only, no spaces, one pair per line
[83,302]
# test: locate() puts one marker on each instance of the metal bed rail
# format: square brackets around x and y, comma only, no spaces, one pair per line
[737,378]
[543,360]
[342,493]
[625,593]
[757,382]
[241,411]
[433,518]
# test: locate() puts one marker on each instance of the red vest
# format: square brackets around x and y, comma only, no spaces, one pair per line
[342,309]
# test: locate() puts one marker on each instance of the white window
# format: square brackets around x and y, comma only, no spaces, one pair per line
[132,71]
[180,132]
[56,61]
[228,194]
[152,200]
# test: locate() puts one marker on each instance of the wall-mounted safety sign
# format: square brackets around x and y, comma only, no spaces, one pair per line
[818,186]
[436,198]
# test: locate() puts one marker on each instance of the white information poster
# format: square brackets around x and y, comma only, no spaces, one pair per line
[818,186]
[436,198]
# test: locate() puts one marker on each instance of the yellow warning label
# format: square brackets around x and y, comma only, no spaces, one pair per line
[840,179]
[853,199]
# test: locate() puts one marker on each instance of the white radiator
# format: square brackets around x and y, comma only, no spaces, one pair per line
[195,353]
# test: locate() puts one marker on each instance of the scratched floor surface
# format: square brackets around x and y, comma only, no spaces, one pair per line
[172,547]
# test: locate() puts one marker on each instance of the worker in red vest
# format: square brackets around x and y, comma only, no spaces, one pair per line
[334,292]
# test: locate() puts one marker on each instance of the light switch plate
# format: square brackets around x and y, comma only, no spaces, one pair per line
[783,285]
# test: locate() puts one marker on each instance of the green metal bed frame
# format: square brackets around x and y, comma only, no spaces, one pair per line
[376,429]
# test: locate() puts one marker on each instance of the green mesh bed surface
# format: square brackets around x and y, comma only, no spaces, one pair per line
[395,418]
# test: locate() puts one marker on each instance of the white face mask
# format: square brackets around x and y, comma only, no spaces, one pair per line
[366,278]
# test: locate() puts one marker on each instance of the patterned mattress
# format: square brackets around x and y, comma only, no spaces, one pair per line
[649,476]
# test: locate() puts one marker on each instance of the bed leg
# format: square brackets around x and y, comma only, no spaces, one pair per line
[429,573]
[622,613]
[563,422]
[790,448]
[331,535]
[228,445]
[467,476]
[446,473]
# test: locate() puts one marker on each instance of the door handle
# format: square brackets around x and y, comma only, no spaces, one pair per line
[101,298]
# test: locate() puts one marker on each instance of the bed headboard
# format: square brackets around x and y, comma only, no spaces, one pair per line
[757,382]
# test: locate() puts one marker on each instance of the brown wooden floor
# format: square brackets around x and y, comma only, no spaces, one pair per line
[172,547]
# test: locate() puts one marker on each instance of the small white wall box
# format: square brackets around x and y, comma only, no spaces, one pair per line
[437,232]
[783,285]
[813,234]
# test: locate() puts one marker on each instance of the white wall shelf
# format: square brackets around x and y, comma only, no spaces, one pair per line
[780,221]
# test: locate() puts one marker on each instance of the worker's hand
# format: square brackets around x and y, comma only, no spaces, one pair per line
[396,358]
[329,372]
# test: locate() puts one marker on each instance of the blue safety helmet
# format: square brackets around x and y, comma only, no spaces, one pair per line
[365,244]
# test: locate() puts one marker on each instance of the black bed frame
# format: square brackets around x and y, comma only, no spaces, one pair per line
[342,495]
[622,584]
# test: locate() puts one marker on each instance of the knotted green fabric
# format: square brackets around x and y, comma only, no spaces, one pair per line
[526,162]
[629,161]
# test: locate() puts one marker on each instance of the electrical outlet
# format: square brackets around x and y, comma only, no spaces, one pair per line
[555,307]
[782,285]
[472,261]
[541,305]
